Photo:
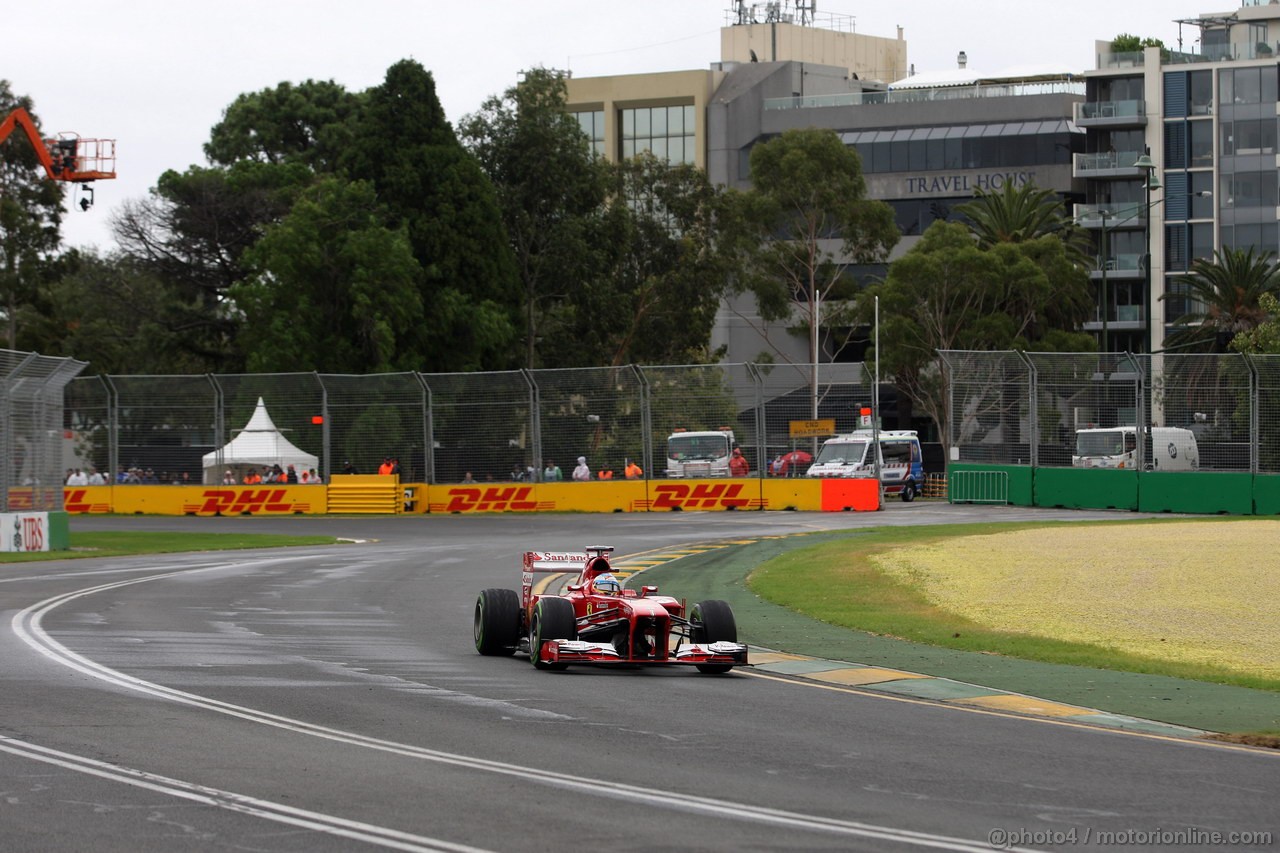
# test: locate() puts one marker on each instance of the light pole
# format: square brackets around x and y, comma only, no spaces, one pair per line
[1103,262]
[1150,182]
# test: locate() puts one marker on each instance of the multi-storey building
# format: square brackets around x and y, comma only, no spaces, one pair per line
[1180,159]
[927,142]
[1169,154]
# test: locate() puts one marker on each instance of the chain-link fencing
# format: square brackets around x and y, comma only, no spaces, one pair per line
[1029,408]
[37,451]
[445,428]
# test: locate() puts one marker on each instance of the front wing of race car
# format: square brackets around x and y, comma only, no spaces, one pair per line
[581,652]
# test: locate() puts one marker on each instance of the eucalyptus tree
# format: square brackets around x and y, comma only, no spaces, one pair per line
[30,216]
[804,224]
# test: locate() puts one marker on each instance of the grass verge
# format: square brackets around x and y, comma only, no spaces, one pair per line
[837,583]
[120,544]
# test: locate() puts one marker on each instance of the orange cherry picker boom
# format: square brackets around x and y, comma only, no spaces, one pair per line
[66,157]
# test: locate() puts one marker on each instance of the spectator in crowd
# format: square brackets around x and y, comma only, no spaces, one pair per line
[738,466]
[253,478]
[395,466]
[291,476]
[632,471]
[606,474]
[96,478]
[582,473]
[552,473]
[385,468]
[229,478]
[78,478]
[517,473]
[468,478]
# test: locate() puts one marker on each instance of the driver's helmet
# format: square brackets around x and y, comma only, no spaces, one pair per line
[607,584]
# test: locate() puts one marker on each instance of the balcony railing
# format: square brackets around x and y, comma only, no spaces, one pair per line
[1094,110]
[1107,161]
[943,93]
[1110,215]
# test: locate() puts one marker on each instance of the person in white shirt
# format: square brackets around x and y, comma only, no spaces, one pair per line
[582,473]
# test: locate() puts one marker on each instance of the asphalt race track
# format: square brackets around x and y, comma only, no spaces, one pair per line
[325,699]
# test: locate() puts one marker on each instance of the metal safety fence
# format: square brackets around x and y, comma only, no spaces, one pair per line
[1018,408]
[446,428]
[32,469]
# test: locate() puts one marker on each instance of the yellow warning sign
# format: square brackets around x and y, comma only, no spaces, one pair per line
[809,429]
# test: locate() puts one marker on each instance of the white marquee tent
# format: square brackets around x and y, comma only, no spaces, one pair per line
[260,444]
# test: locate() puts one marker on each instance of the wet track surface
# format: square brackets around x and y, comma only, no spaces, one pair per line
[331,699]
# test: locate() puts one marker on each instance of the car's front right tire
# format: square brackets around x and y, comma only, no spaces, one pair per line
[496,625]
[712,621]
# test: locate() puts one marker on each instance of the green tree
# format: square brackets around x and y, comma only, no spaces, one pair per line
[437,193]
[665,271]
[114,314]
[30,216]
[333,289]
[551,190]
[807,194]
[1225,295]
[1263,338]
[191,234]
[1128,43]
[303,124]
[950,293]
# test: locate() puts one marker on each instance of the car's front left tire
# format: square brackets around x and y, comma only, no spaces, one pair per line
[553,619]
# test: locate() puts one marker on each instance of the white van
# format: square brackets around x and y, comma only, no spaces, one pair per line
[1172,449]
[901,460]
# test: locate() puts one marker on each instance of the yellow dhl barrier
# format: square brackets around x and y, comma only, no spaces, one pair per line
[698,495]
[266,499]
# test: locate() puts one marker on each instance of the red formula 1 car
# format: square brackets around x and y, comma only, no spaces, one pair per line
[599,622]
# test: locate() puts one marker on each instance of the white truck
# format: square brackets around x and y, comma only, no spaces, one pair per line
[901,460]
[1172,449]
[699,454]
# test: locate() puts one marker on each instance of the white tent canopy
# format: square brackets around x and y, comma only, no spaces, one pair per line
[260,444]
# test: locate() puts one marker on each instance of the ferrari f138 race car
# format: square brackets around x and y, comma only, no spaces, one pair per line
[596,621]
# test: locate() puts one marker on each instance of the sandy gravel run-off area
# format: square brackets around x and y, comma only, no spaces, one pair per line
[1193,591]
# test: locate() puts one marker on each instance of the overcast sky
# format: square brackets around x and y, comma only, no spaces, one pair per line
[156,76]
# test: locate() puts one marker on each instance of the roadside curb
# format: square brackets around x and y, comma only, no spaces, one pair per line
[949,692]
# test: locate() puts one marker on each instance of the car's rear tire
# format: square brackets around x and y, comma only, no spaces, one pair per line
[497,622]
[712,621]
[908,492]
[553,619]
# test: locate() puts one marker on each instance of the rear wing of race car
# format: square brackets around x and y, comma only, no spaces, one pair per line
[561,562]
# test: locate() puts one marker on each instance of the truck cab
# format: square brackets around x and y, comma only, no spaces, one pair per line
[853,455]
[699,454]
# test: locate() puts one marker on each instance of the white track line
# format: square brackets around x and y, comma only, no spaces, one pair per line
[235,802]
[27,626]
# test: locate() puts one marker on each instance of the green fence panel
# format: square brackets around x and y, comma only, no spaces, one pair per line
[1018,476]
[59,531]
[1196,491]
[1091,488]
[1266,494]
